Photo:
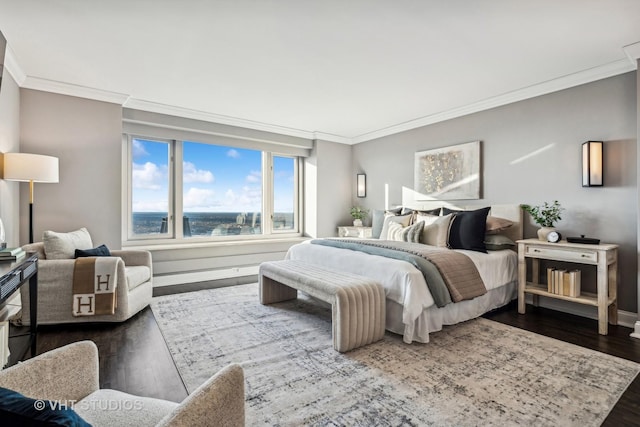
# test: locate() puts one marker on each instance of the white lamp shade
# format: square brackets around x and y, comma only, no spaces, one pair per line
[30,167]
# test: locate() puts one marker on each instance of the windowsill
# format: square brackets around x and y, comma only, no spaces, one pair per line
[166,246]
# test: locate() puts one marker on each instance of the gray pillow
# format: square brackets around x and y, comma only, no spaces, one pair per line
[64,245]
[377,221]
[498,242]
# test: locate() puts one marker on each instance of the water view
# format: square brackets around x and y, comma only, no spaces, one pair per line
[201,224]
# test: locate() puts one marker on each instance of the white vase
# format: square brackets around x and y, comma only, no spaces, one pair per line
[543,232]
[357,223]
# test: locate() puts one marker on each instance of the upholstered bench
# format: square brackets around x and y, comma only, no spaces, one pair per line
[357,303]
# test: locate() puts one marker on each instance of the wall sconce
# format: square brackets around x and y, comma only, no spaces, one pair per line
[592,171]
[361,185]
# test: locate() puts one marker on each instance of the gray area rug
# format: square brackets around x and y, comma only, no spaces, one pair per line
[476,373]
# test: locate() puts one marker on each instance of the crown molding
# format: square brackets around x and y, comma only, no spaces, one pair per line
[628,64]
[332,138]
[12,66]
[154,107]
[633,53]
[565,82]
[69,89]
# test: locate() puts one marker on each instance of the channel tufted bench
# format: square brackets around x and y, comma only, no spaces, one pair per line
[357,303]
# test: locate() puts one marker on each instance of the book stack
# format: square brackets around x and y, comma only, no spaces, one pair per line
[563,282]
[11,254]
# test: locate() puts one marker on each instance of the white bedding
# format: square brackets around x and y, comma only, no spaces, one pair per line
[410,307]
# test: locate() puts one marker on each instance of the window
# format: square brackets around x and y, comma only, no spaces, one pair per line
[222,190]
[150,184]
[284,194]
[185,190]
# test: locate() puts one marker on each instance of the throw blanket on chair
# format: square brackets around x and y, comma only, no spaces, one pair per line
[94,286]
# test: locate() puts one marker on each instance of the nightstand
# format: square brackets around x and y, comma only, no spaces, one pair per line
[603,256]
[352,231]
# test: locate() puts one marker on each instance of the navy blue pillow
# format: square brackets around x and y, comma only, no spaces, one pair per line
[467,229]
[101,250]
[18,410]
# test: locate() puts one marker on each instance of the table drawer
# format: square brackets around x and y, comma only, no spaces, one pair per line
[561,254]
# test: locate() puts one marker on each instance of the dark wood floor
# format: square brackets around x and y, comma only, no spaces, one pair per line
[134,357]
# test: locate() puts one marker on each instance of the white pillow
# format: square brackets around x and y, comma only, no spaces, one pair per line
[64,245]
[403,220]
[437,233]
[426,218]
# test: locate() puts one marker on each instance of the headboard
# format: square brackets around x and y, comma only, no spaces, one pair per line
[512,213]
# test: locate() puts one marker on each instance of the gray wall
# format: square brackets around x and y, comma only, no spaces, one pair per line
[328,188]
[9,143]
[86,136]
[561,121]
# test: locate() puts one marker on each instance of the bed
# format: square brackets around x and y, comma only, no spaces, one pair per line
[411,311]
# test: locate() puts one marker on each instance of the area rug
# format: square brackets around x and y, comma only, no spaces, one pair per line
[475,373]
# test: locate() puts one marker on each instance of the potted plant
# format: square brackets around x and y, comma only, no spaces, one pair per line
[358,214]
[545,215]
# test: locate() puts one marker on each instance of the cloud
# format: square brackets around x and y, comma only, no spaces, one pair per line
[191,174]
[150,206]
[138,149]
[254,177]
[199,199]
[148,176]
[249,199]
[234,154]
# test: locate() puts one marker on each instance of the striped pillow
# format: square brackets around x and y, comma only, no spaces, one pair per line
[405,234]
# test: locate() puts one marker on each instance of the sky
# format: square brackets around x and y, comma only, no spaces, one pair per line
[215,178]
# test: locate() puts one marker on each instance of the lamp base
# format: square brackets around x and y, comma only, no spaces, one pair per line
[31,221]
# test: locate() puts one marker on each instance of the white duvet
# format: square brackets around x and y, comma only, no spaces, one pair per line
[403,283]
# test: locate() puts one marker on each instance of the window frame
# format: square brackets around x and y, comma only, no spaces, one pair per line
[128,222]
[296,193]
[176,211]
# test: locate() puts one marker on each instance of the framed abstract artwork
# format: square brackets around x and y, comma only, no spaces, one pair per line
[448,173]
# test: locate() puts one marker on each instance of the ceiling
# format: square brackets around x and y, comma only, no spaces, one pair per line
[345,71]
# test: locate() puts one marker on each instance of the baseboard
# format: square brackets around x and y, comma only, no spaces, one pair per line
[625,318]
[211,284]
[203,276]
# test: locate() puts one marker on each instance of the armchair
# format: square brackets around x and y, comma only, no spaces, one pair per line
[134,290]
[69,375]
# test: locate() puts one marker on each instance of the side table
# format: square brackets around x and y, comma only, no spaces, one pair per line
[603,256]
[15,274]
[353,231]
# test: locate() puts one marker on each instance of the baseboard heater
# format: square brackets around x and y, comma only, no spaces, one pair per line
[203,276]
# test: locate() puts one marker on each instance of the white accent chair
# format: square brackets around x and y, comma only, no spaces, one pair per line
[70,374]
[134,290]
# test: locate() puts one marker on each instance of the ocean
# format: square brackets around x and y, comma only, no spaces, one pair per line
[209,223]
